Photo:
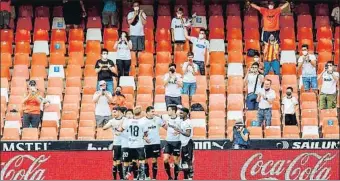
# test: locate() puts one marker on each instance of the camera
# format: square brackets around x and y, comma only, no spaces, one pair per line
[32,83]
[172,70]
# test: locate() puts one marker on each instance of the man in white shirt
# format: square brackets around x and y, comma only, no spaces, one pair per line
[200,48]
[177,30]
[115,124]
[187,153]
[336,15]
[102,99]
[152,149]
[265,98]
[137,20]
[189,79]
[252,82]
[173,86]
[330,79]
[289,104]
[308,63]
[173,142]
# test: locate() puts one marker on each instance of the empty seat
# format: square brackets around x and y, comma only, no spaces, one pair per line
[104,134]
[42,23]
[86,133]
[94,34]
[10,134]
[48,133]
[94,22]
[291,132]
[67,134]
[23,47]
[30,134]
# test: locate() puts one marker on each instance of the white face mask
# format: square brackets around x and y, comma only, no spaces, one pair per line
[200,36]
[304,52]
[179,15]
[256,59]
[136,8]
[270,7]
[104,56]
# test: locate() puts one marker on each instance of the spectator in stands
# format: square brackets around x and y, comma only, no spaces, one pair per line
[173,85]
[257,59]
[102,98]
[73,12]
[240,138]
[177,29]
[330,80]
[289,104]
[200,49]
[137,20]
[118,99]
[271,56]
[5,14]
[336,15]
[271,17]
[31,106]
[265,98]
[189,79]
[308,63]
[106,71]
[253,82]
[123,47]
[110,15]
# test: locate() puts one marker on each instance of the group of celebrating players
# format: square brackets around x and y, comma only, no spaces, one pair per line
[137,139]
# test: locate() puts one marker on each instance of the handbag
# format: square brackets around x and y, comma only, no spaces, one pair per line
[252,96]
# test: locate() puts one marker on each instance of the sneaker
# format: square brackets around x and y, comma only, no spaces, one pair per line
[170,178]
[147,178]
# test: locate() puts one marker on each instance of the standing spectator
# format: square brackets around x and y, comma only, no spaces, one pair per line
[330,80]
[118,98]
[308,63]
[336,15]
[271,17]
[189,79]
[177,29]
[106,71]
[289,104]
[271,56]
[123,46]
[102,99]
[110,15]
[200,49]
[265,98]
[258,60]
[31,106]
[5,14]
[253,82]
[240,138]
[73,12]
[137,20]
[173,84]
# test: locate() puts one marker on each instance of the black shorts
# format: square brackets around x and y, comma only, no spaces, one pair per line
[179,41]
[137,153]
[126,155]
[117,152]
[172,148]
[290,119]
[138,43]
[187,152]
[152,151]
[266,35]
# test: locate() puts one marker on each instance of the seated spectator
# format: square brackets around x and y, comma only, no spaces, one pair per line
[253,82]
[200,49]
[271,56]
[31,106]
[177,29]
[102,99]
[289,104]
[189,79]
[73,12]
[110,15]
[330,80]
[270,18]
[240,138]
[173,85]
[5,14]
[123,47]
[137,20]
[265,97]
[106,71]
[118,99]
[336,15]
[308,63]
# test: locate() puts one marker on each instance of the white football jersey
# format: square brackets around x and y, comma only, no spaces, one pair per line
[153,126]
[124,137]
[136,129]
[116,124]
[185,125]
[172,135]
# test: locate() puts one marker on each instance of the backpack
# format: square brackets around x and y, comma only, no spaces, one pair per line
[197,107]
[251,52]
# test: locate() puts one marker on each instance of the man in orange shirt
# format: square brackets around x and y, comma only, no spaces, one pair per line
[5,13]
[271,18]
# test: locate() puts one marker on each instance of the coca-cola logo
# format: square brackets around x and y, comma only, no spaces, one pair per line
[24,167]
[306,166]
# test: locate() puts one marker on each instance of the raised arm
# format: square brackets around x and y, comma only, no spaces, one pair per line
[255,6]
[284,5]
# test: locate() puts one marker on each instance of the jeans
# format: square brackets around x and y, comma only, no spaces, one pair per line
[173,100]
[31,120]
[189,88]
[274,64]
[265,114]
[310,83]
[109,86]
[5,17]
[201,66]
[239,147]
[123,67]
[327,101]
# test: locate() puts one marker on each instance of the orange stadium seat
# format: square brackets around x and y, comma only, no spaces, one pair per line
[251,44]
[6,47]
[291,132]
[216,22]
[322,21]
[69,124]
[39,59]
[57,59]
[331,132]
[305,33]
[217,102]
[110,34]
[5,73]
[23,47]
[163,34]
[234,33]
[11,134]
[235,57]
[21,71]
[41,23]
[22,35]
[21,59]
[76,46]
[163,57]
[163,22]
[145,58]
[29,134]
[251,33]
[216,132]
[324,32]
[86,133]
[255,132]
[74,71]
[288,44]
[273,133]
[93,46]
[233,22]
[161,69]
[216,33]
[251,22]
[235,45]
[58,47]
[58,35]
[150,46]
[199,133]
[164,46]
[304,21]
[235,102]
[104,134]
[324,45]
[6,59]
[67,134]
[286,21]
[6,35]
[201,99]
[233,9]
[40,35]
[38,71]
[48,133]
[76,35]
[109,45]
[288,69]
[217,69]
[180,57]
[148,34]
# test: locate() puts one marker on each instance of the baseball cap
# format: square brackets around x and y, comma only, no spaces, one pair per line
[190,54]
[102,82]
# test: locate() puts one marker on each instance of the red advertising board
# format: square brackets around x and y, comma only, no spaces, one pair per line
[212,164]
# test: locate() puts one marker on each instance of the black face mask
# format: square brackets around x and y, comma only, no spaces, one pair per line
[118,93]
[289,93]
[267,89]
